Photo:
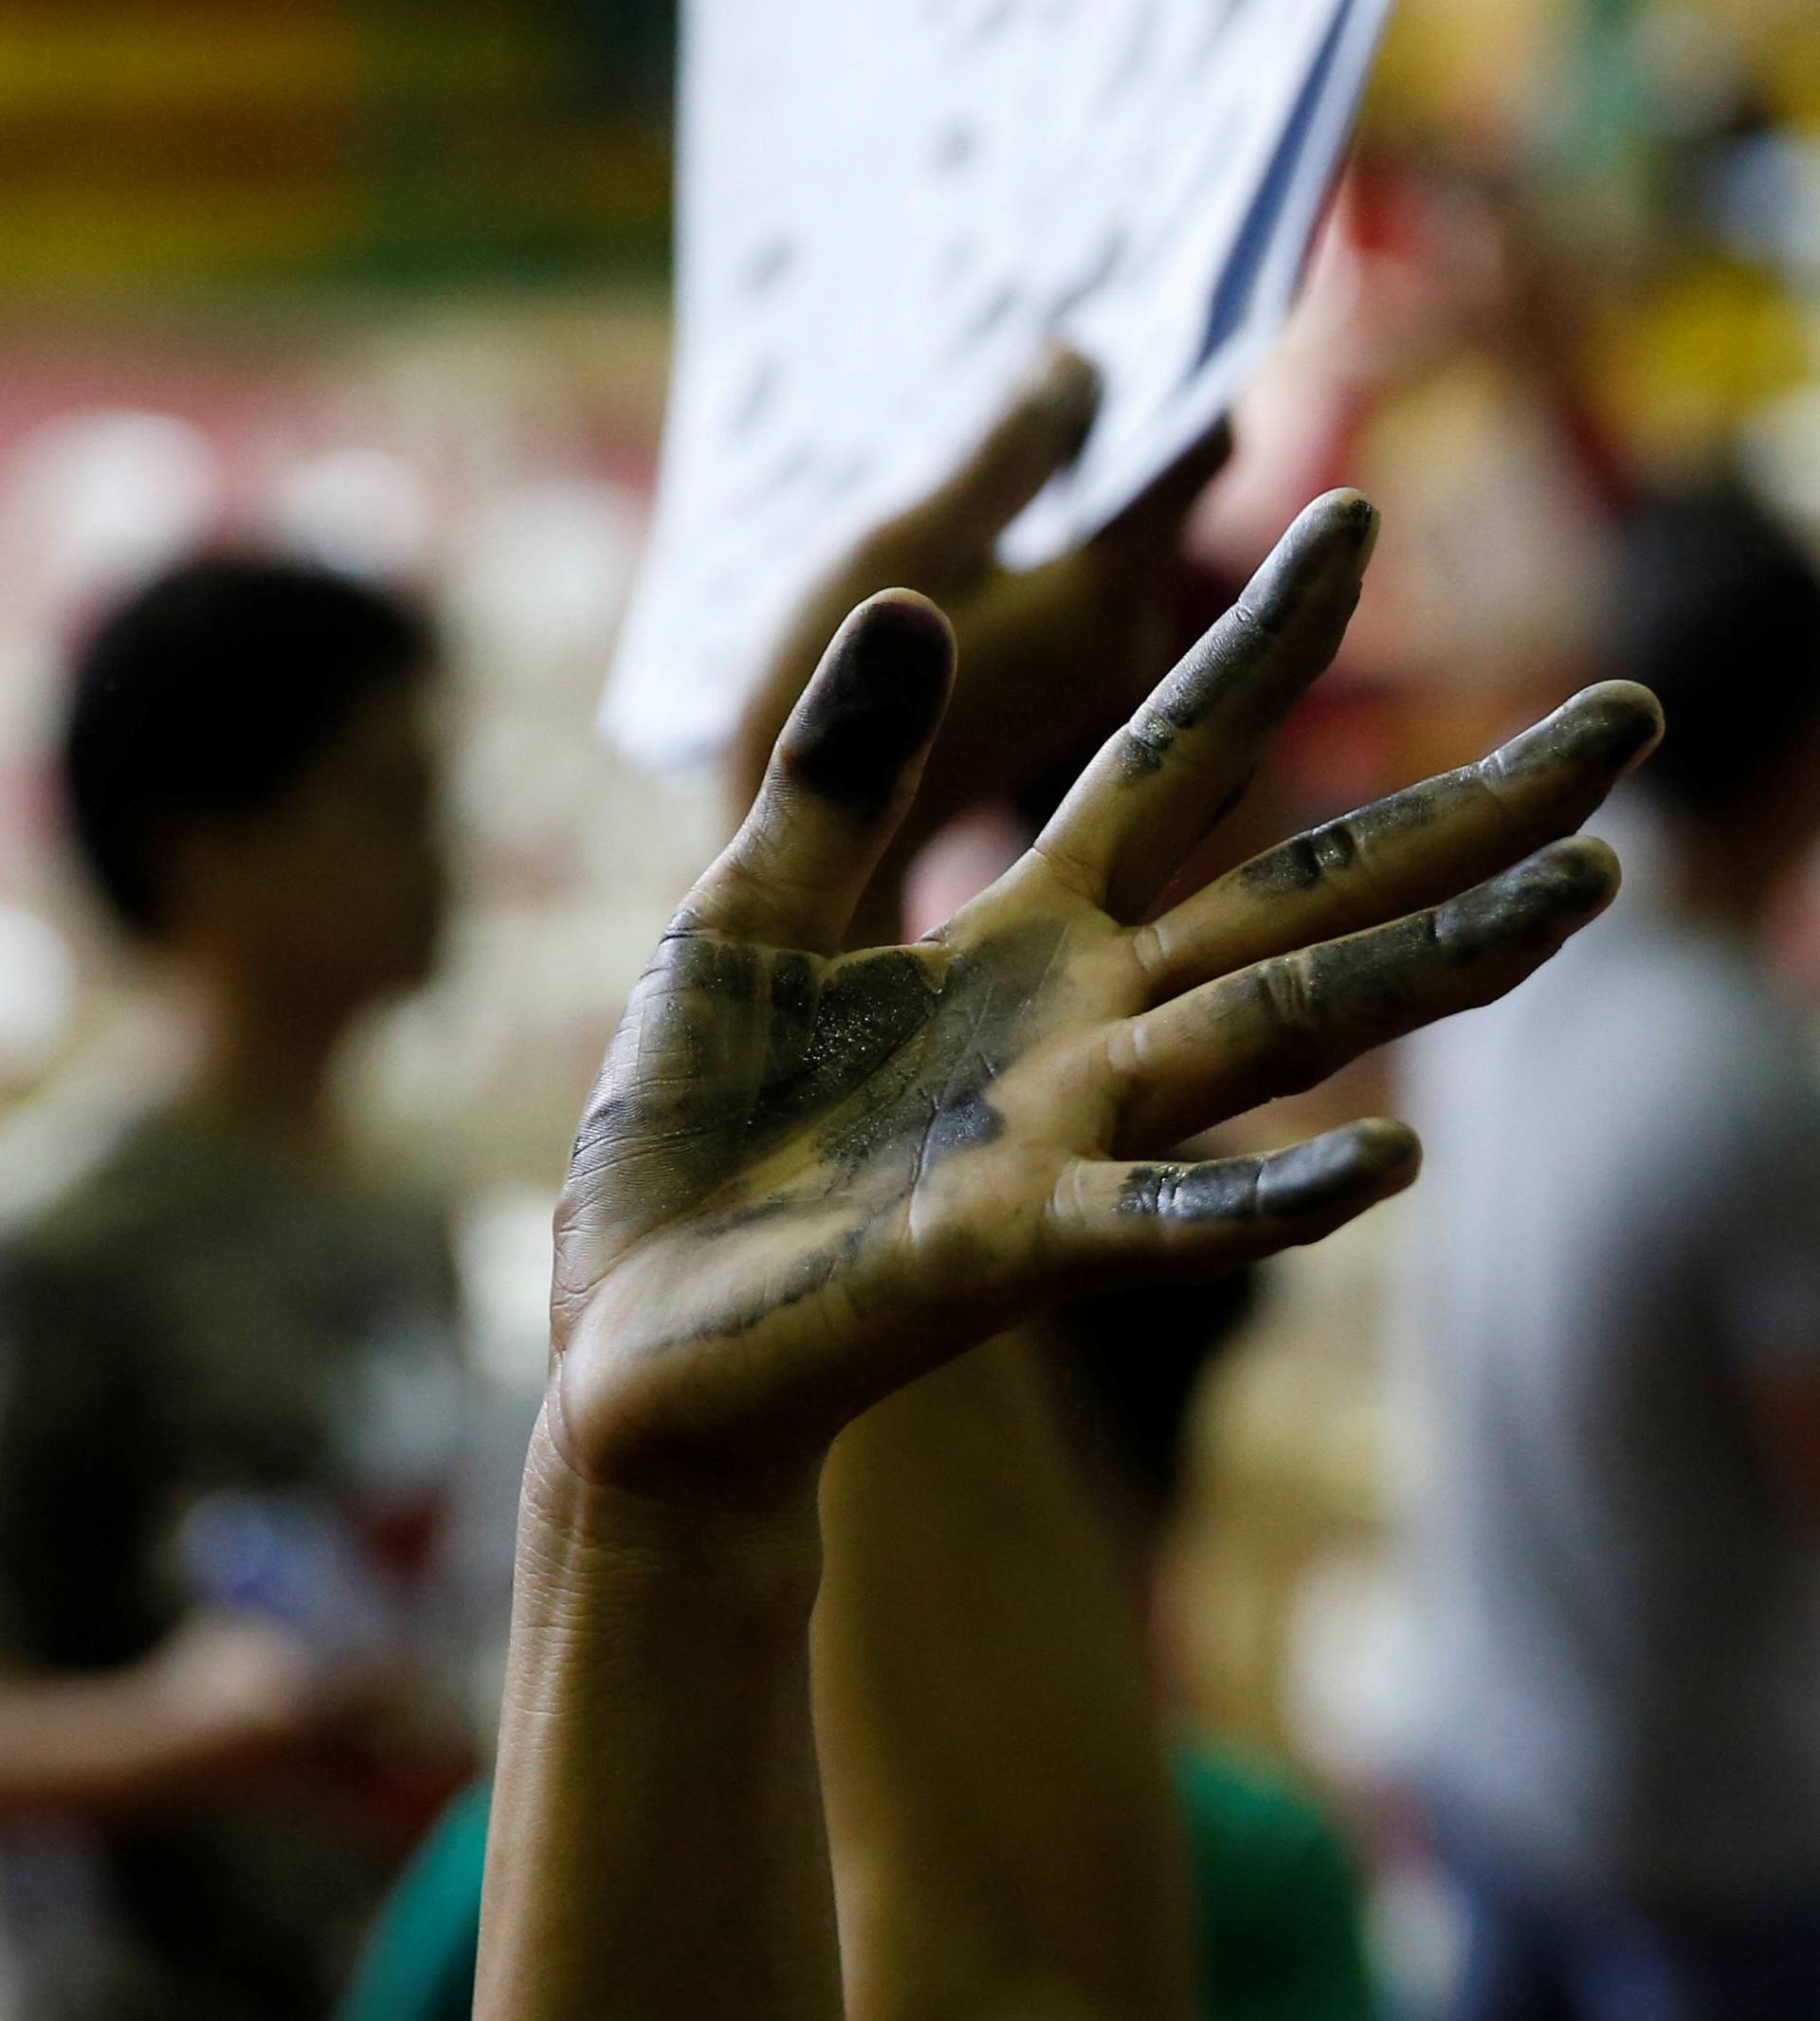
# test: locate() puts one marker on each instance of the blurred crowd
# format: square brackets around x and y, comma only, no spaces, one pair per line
[1426,1526]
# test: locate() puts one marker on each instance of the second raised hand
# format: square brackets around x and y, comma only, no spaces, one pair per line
[807,1177]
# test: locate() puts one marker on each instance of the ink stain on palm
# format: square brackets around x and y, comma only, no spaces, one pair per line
[806,1276]
[884,1056]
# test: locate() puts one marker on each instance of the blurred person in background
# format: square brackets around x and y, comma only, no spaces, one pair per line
[1615,1291]
[231,1378]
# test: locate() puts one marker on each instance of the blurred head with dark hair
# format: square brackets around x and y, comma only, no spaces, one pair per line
[1718,611]
[1129,1367]
[252,783]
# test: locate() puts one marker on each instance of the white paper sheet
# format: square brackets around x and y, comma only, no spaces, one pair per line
[886,208]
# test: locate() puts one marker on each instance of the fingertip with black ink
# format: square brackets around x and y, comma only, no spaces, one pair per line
[1358,521]
[1619,722]
[1371,1160]
[1386,1147]
[1344,1171]
[876,702]
[1579,874]
[1326,548]
[1547,896]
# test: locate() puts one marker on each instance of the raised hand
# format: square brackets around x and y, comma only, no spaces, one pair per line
[808,1178]
[1049,658]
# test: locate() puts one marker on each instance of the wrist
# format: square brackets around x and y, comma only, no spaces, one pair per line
[589,1545]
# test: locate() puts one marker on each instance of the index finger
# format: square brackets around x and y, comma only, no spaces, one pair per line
[1162,782]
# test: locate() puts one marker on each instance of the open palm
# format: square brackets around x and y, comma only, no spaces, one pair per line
[809,1177]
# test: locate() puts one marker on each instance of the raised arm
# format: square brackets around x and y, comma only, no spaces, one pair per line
[807,1179]
[1004,1837]
[216,1706]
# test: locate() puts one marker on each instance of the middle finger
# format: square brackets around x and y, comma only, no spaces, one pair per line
[1410,849]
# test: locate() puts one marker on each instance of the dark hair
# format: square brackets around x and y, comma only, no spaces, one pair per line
[1718,611]
[1130,1363]
[211,690]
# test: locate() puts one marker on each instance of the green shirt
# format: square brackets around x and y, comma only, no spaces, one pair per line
[1277,1909]
[1276,1898]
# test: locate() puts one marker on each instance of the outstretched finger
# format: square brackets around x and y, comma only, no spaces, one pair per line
[1283,1025]
[1411,849]
[840,780]
[1115,1223]
[1162,782]
[1148,532]
[1038,434]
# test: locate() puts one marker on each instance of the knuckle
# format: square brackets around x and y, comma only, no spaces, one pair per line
[1071,1204]
[1339,848]
[1459,932]
[1074,870]
[1288,994]
[1326,854]
[1125,1052]
[1265,626]
[1292,1006]
[1153,957]
[1248,1203]
[1494,782]
[1146,741]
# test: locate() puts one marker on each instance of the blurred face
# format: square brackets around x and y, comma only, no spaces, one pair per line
[1804,787]
[1782,813]
[334,894]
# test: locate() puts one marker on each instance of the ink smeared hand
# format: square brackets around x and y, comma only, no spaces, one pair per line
[1049,658]
[807,1177]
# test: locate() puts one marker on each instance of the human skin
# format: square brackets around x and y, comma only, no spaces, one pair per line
[1051,656]
[1003,1834]
[807,1179]
[221,1703]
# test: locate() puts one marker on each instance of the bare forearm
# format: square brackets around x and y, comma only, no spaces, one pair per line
[804,1178]
[657,1845]
[93,1743]
[996,1788]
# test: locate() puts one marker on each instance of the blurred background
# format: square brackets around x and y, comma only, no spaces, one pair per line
[383,285]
